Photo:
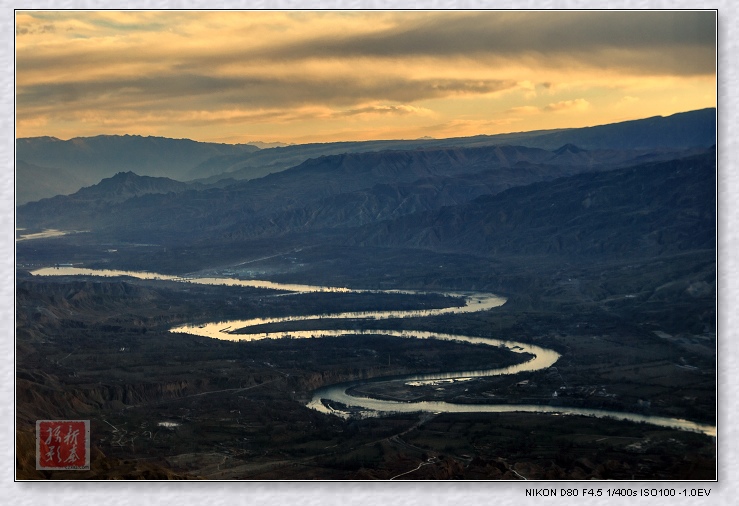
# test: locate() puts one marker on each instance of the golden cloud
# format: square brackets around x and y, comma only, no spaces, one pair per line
[302,66]
[579,104]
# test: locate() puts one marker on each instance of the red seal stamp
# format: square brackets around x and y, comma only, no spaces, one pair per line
[63,444]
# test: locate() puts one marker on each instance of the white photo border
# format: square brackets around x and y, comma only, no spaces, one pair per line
[356,493]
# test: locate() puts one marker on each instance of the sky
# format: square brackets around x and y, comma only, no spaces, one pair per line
[325,76]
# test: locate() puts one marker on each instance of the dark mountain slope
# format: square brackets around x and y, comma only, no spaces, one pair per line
[644,211]
[323,177]
[82,209]
[385,201]
[126,185]
[257,199]
[258,164]
[335,191]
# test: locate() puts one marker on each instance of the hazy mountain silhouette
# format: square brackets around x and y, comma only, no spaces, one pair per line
[90,159]
[332,192]
[682,130]
[676,132]
[81,209]
[35,183]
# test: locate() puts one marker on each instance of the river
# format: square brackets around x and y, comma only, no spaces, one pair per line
[323,399]
[40,235]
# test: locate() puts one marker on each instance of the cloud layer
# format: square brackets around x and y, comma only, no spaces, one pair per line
[294,76]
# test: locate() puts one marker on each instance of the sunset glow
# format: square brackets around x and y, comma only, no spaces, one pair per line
[329,76]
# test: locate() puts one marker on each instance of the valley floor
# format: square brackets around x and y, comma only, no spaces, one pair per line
[167,406]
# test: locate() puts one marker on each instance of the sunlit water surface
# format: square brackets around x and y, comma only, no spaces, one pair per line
[325,399]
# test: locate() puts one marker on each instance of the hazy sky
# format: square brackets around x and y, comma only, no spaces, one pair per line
[326,76]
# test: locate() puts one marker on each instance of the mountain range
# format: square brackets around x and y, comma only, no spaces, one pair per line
[643,211]
[47,166]
[87,160]
[597,222]
[326,192]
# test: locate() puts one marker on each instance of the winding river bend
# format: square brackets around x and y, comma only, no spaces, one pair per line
[326,398]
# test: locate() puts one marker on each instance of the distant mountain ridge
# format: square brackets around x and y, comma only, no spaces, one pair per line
[89,202]
[126,185]
[243,202]
[330,192]
[693,129]
[159,156]
[90,159]
[681,130]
